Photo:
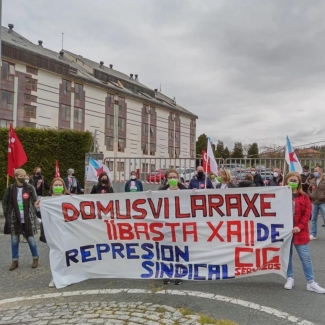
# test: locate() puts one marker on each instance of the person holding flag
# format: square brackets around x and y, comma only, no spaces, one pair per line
[200,181]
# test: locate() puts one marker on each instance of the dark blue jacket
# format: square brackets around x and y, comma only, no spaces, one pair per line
[138,184]
[200,184]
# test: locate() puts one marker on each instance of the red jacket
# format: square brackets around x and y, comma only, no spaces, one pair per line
[302,210]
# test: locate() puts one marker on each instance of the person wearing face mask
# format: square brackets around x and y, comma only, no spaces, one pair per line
[72,183]
[247,182]
[316,191]
[224,179]
[39,182]
[301,207]
[133,184]
[214,179]
[258,180]
[174,184]
[199,182]
[57,188]
[277,179]
[17,203]
[306,176]
[103,186]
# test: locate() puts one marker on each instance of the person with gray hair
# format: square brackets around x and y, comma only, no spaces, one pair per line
[72,183]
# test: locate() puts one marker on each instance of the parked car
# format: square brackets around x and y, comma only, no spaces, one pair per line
[156,176]
[186,174]
[236,167]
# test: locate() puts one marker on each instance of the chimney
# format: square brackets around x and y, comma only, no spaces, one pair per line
[111,66]
[10,30]
[61,54]
[101,64]
[174,100]
[40,43]
[131,76]
[136,77]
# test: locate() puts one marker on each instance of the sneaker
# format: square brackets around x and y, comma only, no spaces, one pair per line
[315,287]
[312,237]
[52,284]
[289,284]
[166,281]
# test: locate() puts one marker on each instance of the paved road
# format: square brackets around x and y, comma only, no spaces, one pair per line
[254,300]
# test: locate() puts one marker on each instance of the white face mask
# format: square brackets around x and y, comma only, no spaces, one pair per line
[253,173]
[133,177]
[275,174]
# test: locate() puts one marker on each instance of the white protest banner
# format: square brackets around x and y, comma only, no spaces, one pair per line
[191,235]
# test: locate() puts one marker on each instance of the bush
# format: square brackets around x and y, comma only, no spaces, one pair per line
[43,147]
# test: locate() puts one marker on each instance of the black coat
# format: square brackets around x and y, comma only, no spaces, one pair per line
[100,189]
[258,180]
[246,183]
[275,182]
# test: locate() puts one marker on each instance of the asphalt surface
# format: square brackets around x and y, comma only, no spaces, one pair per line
[198,297]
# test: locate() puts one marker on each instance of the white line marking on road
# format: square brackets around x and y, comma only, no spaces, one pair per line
[243,303]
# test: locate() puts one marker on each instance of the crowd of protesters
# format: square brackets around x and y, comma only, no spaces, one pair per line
[21,204]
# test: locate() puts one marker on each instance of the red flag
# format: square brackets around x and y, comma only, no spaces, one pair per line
[16,153]
[57,169]
[205,162]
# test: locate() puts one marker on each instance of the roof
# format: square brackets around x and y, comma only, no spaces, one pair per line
[89,69]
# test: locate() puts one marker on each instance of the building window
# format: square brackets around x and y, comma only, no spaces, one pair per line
[171,152]
[110,100]
[192,153]
[29,125]
[5,123]
[31,98]
[176,152]
[193,123]
[171,134]
[145,167]
[31,84]
[8,71]
[110,165]
[78,115]
[109,143]
[122,103]
[65,112]
[7,100]
[146,109]
[121,124]
[78,89]
[109,122]
[178,121]
[30,111]
[120,166]
[152,130]
[145,148]
[177,135]
[152,111]
[145,129]
[32,70]
[193,138]
[121,145]
[152,149]
[66,87]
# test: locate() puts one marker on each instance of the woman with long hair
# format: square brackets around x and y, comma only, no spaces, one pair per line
[225,179]
[103,186]
[57,188]
[301,213]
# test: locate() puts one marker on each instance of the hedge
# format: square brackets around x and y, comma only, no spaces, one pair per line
[43,147]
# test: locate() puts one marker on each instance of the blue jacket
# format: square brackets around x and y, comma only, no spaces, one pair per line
[138,184]
[200,184]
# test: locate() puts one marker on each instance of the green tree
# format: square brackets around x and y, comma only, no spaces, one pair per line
[253,150]
[238,150]
[201,144]
[226,153]
[220,149]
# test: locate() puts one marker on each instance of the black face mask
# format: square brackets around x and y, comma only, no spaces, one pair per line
[105,181]
[200,175]
[39,174]
[73,174]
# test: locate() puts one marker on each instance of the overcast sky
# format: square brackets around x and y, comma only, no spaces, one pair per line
[253,71]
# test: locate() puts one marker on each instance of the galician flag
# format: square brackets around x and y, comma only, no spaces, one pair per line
[95,168]
[292,159]
[210,161]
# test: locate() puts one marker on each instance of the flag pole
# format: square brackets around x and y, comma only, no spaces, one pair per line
[206,164]
[7,180]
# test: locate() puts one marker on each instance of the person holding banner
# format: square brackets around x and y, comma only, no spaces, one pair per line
[214,179]
[17,204]
[57,188]
[247,182]
[200,181]
[133,184]
[301,213]
[225,179]
[172,177]
[103,186]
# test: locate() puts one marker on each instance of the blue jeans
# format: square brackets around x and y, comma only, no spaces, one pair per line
[307,266]
[15,246]
[314,218]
